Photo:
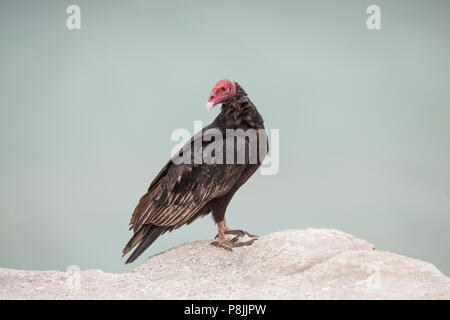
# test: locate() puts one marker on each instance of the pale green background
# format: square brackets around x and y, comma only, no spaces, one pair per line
[86,118]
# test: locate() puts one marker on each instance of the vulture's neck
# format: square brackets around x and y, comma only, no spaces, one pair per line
[239,113]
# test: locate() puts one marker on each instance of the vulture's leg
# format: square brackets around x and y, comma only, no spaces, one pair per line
[222,241]
[222,229]
[240,233]
[229,244]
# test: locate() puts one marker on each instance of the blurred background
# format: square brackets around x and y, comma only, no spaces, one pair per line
[86,117]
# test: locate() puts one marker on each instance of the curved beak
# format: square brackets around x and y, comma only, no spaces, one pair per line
[209,106]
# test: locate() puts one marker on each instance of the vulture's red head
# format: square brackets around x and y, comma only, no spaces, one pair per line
[223,91]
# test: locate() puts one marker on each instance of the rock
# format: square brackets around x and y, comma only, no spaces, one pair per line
[292,264]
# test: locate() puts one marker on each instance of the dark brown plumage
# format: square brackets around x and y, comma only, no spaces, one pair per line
[181,193]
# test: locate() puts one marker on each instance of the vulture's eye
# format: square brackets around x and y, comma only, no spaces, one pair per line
[223,88]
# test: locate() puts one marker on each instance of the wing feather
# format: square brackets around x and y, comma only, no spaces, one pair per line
[180,191]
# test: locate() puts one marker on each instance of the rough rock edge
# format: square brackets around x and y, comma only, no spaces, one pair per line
[292,264]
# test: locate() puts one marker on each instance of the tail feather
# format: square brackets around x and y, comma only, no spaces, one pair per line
[146,240]
[135,239]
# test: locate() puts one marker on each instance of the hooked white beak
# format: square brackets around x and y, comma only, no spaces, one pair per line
[209,106]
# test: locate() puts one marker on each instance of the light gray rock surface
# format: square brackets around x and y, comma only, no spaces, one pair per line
[292,264]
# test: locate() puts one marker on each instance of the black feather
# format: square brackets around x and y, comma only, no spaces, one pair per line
[152,234]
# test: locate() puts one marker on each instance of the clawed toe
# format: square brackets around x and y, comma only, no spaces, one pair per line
[228,244]
[223,244]
[232,243]
[244,243]
[241,233]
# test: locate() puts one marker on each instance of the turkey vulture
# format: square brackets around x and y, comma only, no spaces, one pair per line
[184,191]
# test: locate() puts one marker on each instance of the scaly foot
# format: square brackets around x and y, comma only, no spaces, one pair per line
[240,233]
[222,229]
[222,243]
[232,243]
